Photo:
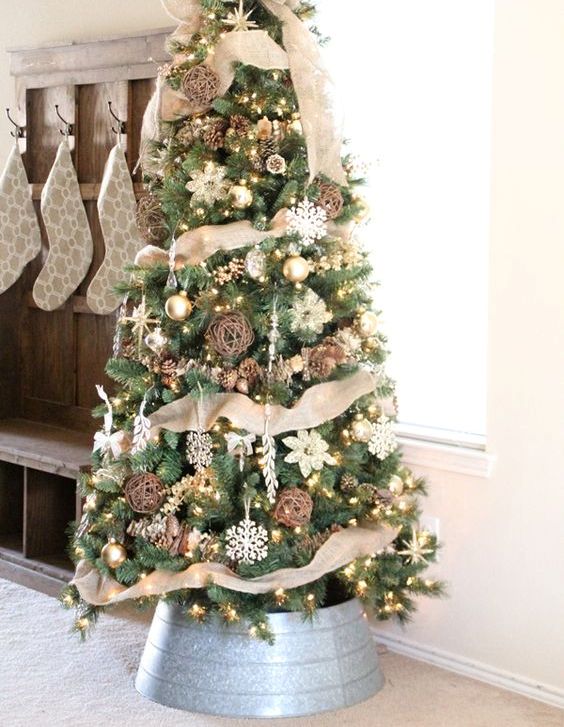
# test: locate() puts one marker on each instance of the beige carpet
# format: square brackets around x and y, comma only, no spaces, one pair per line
[47,677]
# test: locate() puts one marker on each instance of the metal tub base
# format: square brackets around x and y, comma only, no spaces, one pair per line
[216,669]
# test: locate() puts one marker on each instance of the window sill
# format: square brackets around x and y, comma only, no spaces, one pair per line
[447,457]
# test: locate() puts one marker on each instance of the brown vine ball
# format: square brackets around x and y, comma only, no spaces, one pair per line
[144,492]
[151,220]
[230,334]
[200,85]
[294,507]
[331,200]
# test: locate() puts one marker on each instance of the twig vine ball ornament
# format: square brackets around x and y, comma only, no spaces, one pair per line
[178,307]
[294,507]
[230,334]
[151,220]
[200,85]
[113,554]
[331,200]
[295,269]
[144,492]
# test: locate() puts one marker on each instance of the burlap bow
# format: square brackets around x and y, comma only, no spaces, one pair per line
[311,81]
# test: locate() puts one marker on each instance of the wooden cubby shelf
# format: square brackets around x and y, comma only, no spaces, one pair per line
[51,361]
[39,465]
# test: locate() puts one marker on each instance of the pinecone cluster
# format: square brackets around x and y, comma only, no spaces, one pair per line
[324,358]
[243,378]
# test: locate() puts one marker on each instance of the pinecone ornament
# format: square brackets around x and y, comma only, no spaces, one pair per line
[275,164]
[267,148]
[227,378]
[311,543]
[323,359]
[240,124]
[348,483]
[249,370]
[214,135]
[128,348]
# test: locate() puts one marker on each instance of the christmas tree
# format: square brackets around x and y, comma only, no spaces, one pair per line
[247,461]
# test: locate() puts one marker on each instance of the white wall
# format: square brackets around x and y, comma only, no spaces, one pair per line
[504,547]
[503,553]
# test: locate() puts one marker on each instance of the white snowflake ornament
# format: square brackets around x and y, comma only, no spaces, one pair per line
[308,221]
[309,452]
[383,441]
[208,185]
[247,542]
[199,449]
[309,313]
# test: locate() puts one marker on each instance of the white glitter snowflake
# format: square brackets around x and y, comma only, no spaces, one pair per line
[199,449]
[309,452]
[383,441]
[309,313]
[308,221]
[247,542]
[208,185]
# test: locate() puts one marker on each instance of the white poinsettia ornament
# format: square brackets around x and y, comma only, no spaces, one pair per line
[208,185]
[309,313]
[309,451]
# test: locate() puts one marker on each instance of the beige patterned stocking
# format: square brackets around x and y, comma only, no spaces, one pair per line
[20,237]
[70,240]
[116,209]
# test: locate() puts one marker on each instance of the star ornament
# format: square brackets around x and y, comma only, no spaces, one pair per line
[415,550]
[239,20]
[140,320]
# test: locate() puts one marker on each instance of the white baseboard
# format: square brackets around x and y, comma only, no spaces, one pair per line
[472,669]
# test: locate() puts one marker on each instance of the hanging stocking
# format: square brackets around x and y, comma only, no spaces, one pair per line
[20,237]
[116,209]
[70,240]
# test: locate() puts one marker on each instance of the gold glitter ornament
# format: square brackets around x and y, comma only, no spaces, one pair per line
[396,486]
[241,196]
[296,269]
[367,324]
[178,307]
[113,554]
[362,430]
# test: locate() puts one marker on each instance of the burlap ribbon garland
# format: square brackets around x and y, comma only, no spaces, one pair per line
[311,81]
[196,246]
[340,549]
[319,404]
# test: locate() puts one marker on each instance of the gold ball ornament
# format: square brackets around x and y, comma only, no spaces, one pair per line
[362,430]
[367,324]
[113,554]
[296,269]
[362,209]
[241,196]
[396,486]
[178,307]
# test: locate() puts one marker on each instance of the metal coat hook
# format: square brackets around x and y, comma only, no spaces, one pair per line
[121,125]
[69,128]
[19,132]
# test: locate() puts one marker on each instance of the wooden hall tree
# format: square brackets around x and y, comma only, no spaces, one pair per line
[51,361]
